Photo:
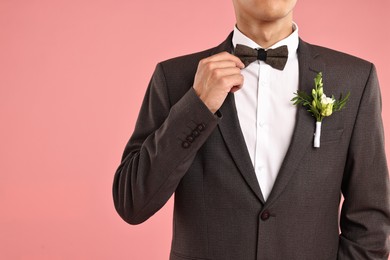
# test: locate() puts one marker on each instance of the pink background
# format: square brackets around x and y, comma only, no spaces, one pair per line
[72,78]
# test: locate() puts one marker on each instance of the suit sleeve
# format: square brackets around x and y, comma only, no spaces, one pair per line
[160,150]
[365,214]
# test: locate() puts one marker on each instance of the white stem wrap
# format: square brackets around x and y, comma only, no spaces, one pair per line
[317,135]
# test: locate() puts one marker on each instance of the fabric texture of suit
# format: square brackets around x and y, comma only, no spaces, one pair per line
[179,147]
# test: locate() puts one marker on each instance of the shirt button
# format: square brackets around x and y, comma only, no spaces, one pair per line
[195,133]
[190,138]
[261,123]
[265,215]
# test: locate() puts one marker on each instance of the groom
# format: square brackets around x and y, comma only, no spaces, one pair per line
[226,139]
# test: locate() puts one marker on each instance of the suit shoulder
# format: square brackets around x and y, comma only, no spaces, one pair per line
[186,61]
[182,69]
[178,73]
[332,56]
[185,66]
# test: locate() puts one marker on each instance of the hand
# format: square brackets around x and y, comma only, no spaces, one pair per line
[216,76]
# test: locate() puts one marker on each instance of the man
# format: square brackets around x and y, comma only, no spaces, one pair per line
[239,156]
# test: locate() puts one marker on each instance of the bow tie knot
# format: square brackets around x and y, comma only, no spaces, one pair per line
[276,58]
[262,54]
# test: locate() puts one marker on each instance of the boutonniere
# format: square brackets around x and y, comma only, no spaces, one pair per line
[319,105]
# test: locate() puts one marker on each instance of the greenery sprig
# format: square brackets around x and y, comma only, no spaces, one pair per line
[318,104]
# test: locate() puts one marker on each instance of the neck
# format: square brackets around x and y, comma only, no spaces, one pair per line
[265,33]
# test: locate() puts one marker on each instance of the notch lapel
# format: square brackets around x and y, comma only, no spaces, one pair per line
[231,132]
[234,139]
[302,139]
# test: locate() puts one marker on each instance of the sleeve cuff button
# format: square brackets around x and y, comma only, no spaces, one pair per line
[201,127]
[185,144]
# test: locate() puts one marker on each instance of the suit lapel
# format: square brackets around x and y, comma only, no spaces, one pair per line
[231,131]
[234,139]
[302,139]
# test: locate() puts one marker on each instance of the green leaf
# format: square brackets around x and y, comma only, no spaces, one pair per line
[306,100]
[341,102]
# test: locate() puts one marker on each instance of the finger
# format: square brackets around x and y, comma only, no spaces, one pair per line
[221,64]
[223,72]
[235,88]
[232,81]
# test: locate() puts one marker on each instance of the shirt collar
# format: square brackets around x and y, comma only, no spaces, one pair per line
[291,41]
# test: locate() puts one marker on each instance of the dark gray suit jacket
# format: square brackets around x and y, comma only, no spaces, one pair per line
[179,146]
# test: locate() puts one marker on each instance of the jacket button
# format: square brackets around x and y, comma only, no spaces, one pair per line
[195,133]
[190,138]
[185,144]
[201,127]
[265,215]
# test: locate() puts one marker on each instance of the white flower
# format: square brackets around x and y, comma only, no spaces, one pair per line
[327,105]
[319,105]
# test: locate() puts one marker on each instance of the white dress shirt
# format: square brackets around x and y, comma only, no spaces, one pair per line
[265,111]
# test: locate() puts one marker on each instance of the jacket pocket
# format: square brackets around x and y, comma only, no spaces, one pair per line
[331,135]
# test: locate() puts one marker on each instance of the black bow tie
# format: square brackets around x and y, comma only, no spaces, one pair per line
[276,58]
